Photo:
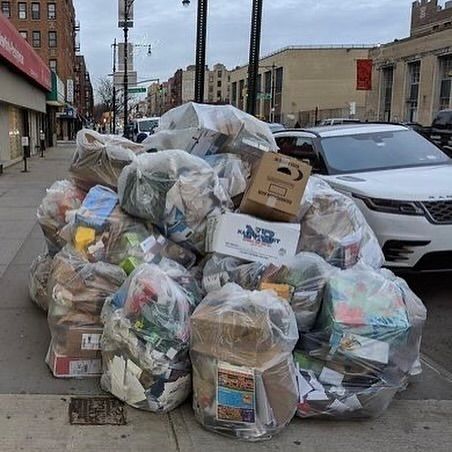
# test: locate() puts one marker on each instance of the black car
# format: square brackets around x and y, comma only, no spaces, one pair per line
[441,131]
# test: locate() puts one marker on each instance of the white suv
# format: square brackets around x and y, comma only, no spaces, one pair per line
[401,182]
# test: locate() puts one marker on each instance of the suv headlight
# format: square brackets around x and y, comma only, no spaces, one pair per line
[392,205]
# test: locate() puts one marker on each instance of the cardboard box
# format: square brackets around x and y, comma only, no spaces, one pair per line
[277,187]
[73,367]
[83,342]
[251,239]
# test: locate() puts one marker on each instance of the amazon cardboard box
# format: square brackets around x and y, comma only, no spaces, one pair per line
[249,238]
[276,189]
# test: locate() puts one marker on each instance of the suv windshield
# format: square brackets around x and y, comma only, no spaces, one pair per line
[379,151]
[148,125]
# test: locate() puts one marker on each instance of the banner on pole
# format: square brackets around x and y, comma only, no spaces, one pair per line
[122,5]
[364,75]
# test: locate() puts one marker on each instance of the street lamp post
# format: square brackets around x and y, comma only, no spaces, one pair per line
[201,39]
[253,65]
[115,45]
[127,8]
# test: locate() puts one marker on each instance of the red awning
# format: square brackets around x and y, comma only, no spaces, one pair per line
[16,50]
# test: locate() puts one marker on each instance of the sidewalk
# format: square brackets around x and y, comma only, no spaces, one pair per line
[34,405]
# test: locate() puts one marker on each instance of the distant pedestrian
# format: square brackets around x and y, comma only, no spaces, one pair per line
[297,125]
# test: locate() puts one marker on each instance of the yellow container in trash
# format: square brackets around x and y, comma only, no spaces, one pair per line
[83,238]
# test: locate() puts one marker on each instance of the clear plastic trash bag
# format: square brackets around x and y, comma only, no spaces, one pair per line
[232,171]
[102,231]
[78,290]
[176,192]
[334,227]
[363,347]
[306,274]
[146,337]
[61,198]
[38,278]
[219,270]
[211,129]
[99,159]
[243,372]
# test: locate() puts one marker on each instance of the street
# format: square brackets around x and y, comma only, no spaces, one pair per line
[34,405]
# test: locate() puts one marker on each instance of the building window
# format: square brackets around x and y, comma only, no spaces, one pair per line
[36,39]
[53,65]
[219,84]
[387,78]
[446,82]
[220,74]
[51,11]
[218,94]
[22,10]
[52,39]
[414,76]
[277,103]
[210,89]
[6,9]
[234,93]
[24,34]
[241,94]
[35,11]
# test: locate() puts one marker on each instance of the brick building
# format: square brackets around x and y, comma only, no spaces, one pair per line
[428,16]
[51,29]
[83,90]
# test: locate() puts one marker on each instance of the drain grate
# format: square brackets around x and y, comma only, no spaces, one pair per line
[96,411]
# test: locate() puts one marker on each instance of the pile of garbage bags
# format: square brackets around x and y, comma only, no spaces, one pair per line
[159,281]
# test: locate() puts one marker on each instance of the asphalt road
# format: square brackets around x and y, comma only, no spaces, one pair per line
[435,290]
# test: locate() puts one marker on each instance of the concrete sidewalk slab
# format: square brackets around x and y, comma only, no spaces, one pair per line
[41,423]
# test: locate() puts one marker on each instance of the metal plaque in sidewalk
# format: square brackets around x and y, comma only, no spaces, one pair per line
[96,411]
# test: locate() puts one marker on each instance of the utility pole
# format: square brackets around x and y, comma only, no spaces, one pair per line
[253,65]
[115,45]
[201,39]
[126,63]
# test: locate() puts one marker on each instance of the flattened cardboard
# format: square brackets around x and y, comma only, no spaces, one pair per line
[277,187]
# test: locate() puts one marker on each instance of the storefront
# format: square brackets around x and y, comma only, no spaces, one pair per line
[55,102]
[24,81]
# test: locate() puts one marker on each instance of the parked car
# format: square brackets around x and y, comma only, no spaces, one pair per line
[401,181]
[441,131]
[144,127]
[276,127]
[338,122]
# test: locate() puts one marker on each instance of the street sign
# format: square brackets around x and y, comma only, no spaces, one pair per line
[122,5]
[137,90]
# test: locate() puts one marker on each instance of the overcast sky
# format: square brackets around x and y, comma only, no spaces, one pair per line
[170,28]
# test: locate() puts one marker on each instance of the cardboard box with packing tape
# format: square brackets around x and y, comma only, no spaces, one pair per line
[276,189]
